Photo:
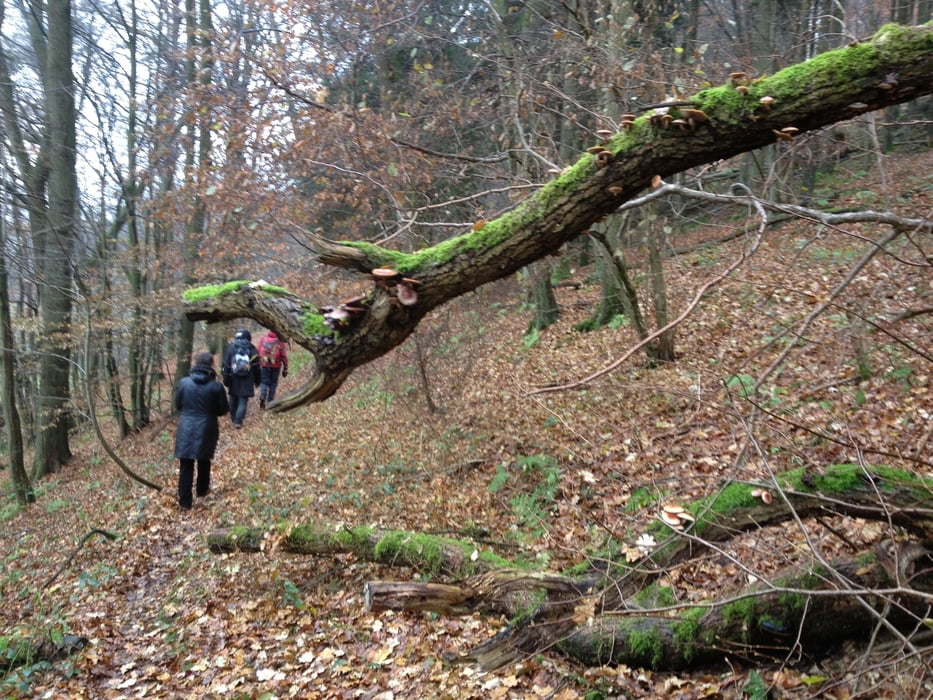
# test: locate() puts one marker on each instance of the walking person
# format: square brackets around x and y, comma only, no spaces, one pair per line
[200,400]
[273,361]
[241,374]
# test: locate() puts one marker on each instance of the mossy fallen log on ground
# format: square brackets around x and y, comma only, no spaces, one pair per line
[607,613]
[430,554]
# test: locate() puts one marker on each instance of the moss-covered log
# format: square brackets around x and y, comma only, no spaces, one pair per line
[798,614]
[894,66]
[430,554]
[610,615]
[857,491]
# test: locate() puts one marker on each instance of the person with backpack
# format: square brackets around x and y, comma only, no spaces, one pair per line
[273,361]
[241,374]
[200,401]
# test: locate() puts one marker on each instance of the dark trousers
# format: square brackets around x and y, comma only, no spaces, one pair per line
[270,382]
[186,478]
[238,409]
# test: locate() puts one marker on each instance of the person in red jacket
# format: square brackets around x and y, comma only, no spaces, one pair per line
[273,361]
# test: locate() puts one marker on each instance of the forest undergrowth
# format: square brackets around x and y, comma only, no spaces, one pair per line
[547,477]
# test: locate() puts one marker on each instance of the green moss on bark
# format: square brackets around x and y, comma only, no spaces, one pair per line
[314,324]
[645,645]
[687,632]
[212,291]
[215,291]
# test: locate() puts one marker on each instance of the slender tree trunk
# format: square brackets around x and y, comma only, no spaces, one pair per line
[198,18]
[627,294]
[137,367]
[664,350]
[22,486]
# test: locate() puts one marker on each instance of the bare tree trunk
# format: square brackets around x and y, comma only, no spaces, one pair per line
[664,350]
[22,485]
[198,74]
[56,246]
[541,297]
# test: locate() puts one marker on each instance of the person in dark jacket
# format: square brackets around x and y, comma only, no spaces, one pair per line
[241,387]
[200,400]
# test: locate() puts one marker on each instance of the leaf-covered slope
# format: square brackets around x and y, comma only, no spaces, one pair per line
[167,619]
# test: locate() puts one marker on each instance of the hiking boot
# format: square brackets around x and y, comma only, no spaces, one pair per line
[262,404]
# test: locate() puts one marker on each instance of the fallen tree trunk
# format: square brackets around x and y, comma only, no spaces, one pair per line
[610,614]
[791,619]
[439,556]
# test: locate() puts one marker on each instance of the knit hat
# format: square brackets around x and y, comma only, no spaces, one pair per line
[243,334]
[272,336]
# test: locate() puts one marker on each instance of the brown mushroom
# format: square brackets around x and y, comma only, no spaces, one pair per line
[603,158]
[737,78]
[405,291]
[384,273]
[661,119]
[766,102]
[698,116]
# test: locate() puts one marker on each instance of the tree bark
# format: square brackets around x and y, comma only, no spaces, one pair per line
[894,66]
[22,485]
[55,245]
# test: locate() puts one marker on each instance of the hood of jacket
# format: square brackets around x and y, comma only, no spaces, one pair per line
[202,375]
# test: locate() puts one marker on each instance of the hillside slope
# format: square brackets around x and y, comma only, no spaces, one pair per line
[167,619]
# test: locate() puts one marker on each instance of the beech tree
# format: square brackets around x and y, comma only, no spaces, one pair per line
[892,67]
[41,135]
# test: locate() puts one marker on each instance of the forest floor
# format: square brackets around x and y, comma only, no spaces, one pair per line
[168,619]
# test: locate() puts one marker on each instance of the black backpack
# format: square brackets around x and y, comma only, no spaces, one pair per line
[240,362]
